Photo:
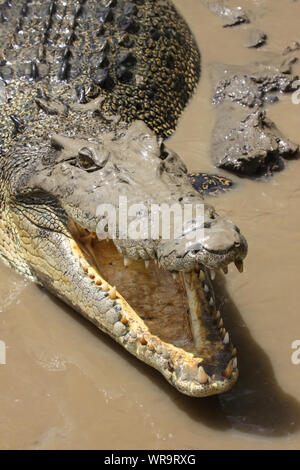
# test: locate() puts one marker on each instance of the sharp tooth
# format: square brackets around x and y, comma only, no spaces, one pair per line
[147,263]
[239,265]
[234,352]
[113,293]
[174,276]
[166,354]
[218,316]
[202,276]
[228,371]
[212,274]
[211,302]
[225,269]
[234,363]
[127,261]
[202,376]
[221,323]
[226,338]
[206,288]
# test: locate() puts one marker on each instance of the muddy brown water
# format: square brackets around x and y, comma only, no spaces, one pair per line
[66,385]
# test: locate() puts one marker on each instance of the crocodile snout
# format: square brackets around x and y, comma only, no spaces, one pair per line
[215,245]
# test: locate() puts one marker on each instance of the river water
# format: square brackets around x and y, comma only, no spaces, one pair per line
[67,385]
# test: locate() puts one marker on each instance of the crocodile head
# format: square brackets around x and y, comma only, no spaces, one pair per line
[152,293]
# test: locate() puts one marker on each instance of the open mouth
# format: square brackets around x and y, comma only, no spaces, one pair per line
[168,320]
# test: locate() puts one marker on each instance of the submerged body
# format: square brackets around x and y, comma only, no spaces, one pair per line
[88,91]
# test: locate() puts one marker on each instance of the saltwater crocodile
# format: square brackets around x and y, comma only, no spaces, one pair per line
[88,91]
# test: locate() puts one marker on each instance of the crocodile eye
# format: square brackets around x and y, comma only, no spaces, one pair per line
[85,159]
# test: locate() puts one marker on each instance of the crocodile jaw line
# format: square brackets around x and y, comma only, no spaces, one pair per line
[195,373]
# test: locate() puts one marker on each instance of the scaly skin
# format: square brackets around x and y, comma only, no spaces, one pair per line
[71,142]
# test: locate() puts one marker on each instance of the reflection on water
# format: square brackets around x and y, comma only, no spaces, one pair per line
[258,404]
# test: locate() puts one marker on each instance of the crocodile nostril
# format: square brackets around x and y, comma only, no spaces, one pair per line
[207,225]
[237,244]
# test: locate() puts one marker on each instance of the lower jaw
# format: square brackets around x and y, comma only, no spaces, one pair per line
[170,324]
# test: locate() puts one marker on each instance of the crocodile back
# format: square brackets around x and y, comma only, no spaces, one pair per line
[139,56]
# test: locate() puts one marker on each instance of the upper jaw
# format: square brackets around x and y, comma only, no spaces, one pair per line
[217,248]
[167,255]
[213,245]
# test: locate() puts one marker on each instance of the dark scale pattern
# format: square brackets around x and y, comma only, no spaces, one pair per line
[139,56]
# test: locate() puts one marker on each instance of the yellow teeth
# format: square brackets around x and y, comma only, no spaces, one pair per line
[202,376]
[147,263]
[127,262]
[113,293]
[226,338]
[227,373]
[239,265]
